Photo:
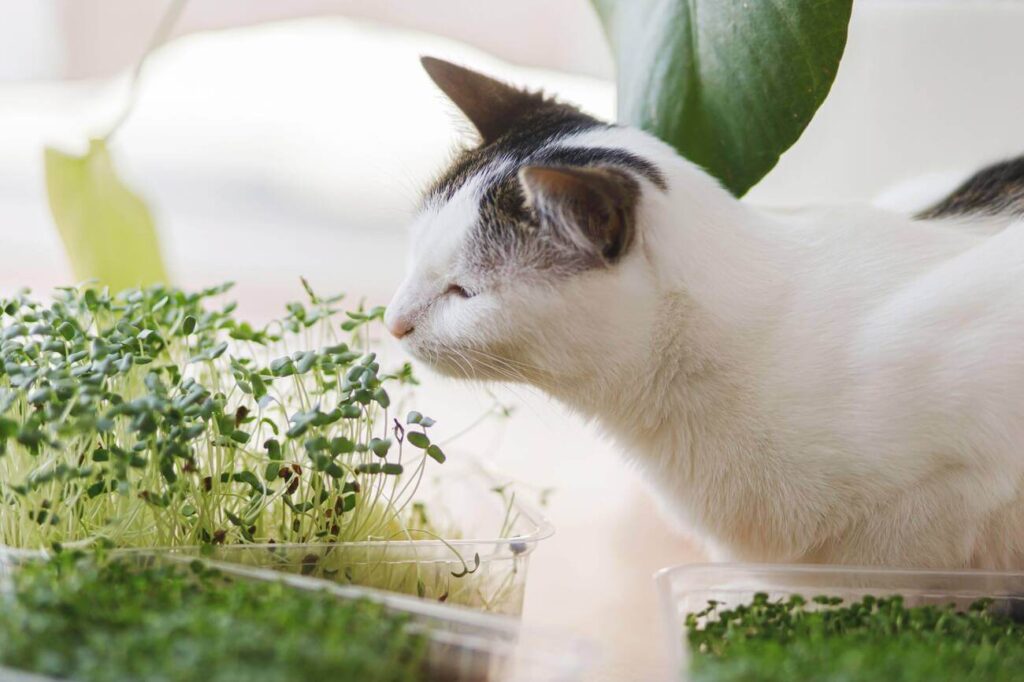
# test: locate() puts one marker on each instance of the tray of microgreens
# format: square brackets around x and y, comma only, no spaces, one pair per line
[155,419]
[732,622]
[104,617]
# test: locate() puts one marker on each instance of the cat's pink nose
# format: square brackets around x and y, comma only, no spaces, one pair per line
[399,326]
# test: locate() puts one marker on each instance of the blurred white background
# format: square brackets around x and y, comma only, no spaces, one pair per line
[278,139]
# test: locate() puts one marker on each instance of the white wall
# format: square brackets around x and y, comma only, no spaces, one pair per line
[100,37]
[925,86]
[31,42]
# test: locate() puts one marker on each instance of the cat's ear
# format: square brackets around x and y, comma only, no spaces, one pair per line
[490,105]
[595,207]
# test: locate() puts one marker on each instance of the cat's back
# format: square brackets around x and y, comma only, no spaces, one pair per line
[882,310]
[975,297]
[842,261]
[981,290]
[939,361]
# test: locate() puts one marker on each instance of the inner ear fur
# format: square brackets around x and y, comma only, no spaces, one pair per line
[594,206]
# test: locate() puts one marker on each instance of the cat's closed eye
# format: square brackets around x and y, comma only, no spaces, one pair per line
[458,290]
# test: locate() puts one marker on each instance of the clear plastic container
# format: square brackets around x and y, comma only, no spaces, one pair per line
[500,531]
[465,645]
[688,588]
[461,498]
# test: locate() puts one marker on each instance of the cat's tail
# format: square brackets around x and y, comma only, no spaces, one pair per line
[996,190]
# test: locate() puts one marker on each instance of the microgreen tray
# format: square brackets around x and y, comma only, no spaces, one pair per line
[687,589]
[482,564]
[464,645]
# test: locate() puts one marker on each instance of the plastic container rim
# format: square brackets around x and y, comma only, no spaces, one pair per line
[663,575]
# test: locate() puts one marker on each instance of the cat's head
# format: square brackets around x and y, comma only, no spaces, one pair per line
[526,259]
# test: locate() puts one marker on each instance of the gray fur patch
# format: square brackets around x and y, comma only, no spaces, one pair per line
[534,130]
[507,236]
[995,190]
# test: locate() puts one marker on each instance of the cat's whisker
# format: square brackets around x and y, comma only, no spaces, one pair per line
[485,362]
[497,365]
[463,364]
[520,389]
[517,368]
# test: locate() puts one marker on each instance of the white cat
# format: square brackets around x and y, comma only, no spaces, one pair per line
[839,384]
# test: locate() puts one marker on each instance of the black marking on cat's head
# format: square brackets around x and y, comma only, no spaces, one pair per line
[512,122]
[582,209]
[994,190]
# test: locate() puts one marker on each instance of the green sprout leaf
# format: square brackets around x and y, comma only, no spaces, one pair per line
[436,454]
[107,230]
[731,85]
[380,446]
[420,440]
[8,428]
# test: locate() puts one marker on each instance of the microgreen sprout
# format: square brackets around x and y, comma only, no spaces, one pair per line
[85,618]
[153,418]
[873,638]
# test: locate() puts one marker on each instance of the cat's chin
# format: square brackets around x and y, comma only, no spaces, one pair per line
[456,364]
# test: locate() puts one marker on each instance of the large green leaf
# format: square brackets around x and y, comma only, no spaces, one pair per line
[107,230]
[731,84]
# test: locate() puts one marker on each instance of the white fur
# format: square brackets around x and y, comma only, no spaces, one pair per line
[836,384]
[437,235]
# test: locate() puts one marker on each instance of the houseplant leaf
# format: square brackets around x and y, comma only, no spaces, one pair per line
[107,230]
[730,84]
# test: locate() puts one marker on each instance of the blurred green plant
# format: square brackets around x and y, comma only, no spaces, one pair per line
[108,231]
[730,84]
[122,620]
